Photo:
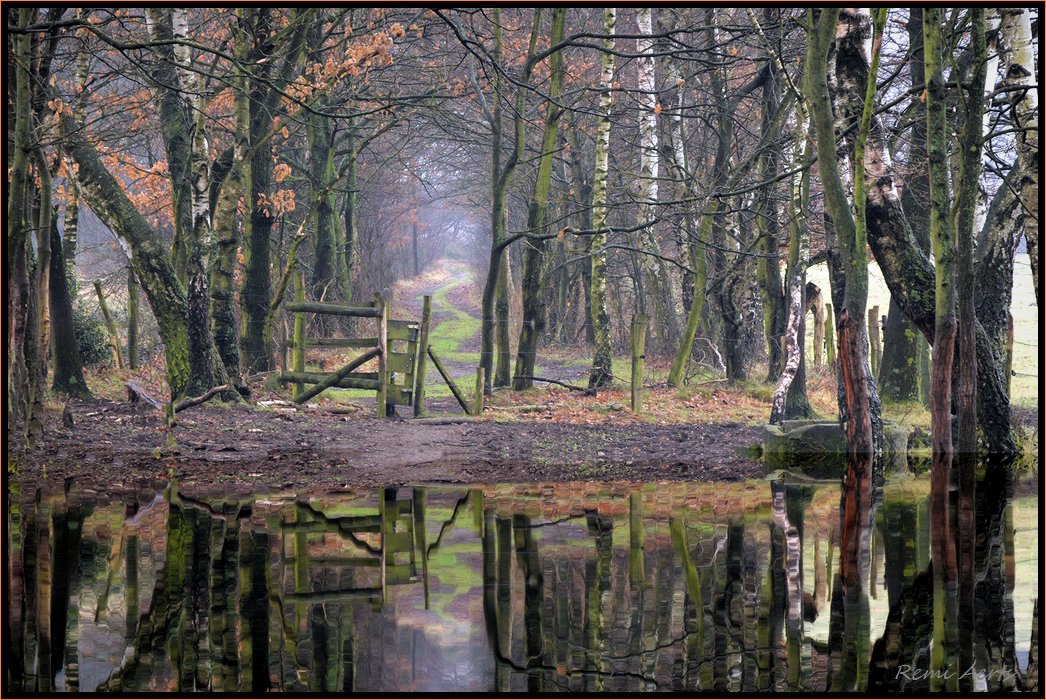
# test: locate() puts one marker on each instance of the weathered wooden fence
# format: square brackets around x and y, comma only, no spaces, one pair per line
[394,345]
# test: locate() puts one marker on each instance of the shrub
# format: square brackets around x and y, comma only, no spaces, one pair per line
[91,341]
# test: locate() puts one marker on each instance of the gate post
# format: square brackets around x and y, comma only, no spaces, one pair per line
[299,331]
[383,357]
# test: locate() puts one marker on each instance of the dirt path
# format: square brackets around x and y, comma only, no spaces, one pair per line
[456,314]
[240,448]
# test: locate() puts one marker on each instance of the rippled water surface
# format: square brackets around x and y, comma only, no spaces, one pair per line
[573,586]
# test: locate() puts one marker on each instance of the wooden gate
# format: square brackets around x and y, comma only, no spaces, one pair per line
[394,346]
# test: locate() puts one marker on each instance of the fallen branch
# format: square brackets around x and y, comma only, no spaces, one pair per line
[189,403]
[136,392]
[573,387]
[449,420]
[523,409]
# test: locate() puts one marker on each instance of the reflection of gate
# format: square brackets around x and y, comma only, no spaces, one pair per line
[399,525]
[394,346]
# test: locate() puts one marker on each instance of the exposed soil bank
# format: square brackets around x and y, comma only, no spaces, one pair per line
[243,448]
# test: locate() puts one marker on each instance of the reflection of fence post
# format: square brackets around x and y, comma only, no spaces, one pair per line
[636,566]
[383,347]
[477,401]
[299,330]
[422,362]
[639,325]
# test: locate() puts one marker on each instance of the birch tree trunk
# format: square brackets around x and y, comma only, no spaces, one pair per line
[659,279]
[789,400]
[602,358]
[1021,72]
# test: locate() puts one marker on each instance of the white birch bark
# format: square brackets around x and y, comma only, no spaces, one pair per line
[992,20]
[658,278]
[601,364]
[1016,36]
[193,94]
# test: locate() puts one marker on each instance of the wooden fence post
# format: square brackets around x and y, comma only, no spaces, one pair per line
[477,401]
[299,331]
[639,326]
[383,357]
[422,362]
[132,318]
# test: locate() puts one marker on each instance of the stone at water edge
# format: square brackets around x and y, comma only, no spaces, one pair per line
[817,448]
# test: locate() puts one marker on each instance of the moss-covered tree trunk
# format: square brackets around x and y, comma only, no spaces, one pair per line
[942,238]
[68,370]
[533,309]
[233,188]
[494,331]
[166,295]
[775,309]
[970,143]
[257,285]
[900,371]
[853,75]
[326,283]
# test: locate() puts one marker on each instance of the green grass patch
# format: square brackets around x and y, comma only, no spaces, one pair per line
[448,334]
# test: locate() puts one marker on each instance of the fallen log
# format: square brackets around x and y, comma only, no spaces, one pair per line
[211,393]
[573,387]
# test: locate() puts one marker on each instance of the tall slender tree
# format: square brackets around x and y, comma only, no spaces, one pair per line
[602,358]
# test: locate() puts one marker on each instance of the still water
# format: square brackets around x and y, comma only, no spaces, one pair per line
[569,586]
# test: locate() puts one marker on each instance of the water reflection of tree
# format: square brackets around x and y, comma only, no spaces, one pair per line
[905,643]
[710,604]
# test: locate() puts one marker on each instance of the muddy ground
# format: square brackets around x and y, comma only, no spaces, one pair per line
[240,448]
